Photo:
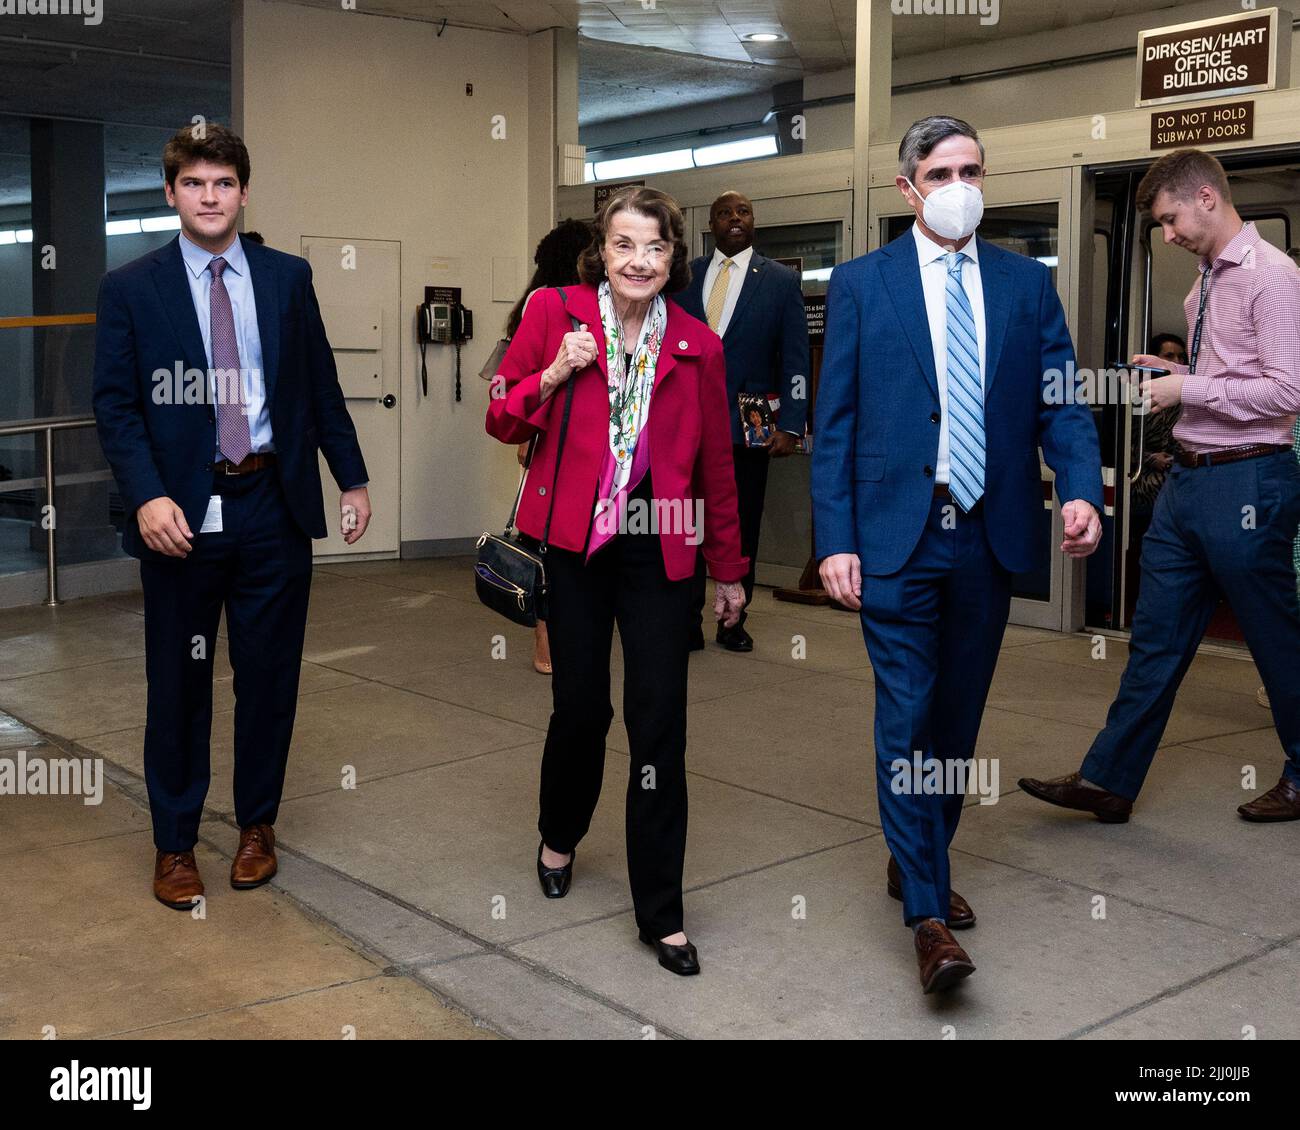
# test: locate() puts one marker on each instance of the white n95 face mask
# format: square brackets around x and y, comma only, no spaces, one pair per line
[953,211]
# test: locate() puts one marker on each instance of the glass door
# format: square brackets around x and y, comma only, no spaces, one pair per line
[811,234]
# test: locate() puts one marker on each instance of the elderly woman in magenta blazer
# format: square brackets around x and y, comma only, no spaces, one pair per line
[649,434]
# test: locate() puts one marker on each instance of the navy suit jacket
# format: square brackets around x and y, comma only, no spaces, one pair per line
[877,415]
[766,343]
[146,324]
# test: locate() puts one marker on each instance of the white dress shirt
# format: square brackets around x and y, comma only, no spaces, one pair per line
[239,285]
[739,269]
[934,282]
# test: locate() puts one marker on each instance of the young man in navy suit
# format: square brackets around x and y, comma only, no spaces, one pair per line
[214,388]
[756,307]
[941,380]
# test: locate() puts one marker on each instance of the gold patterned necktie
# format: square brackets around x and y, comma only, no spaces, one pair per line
[718,295]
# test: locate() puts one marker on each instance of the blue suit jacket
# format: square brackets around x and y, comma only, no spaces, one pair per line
[146,323]
[877,415]
[766,343]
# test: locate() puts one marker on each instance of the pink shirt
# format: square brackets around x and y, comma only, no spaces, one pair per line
[1246,388]
[606,525]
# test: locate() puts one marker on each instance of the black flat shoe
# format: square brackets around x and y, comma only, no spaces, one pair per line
[735,639]
[682,960]
[555,880]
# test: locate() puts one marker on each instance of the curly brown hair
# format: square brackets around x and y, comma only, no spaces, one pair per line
[644,202]
[211,142]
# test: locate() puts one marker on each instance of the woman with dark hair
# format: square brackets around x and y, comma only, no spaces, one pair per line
[556,264]
[642,386]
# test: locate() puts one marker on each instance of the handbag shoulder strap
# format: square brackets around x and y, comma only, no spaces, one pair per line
[559,452]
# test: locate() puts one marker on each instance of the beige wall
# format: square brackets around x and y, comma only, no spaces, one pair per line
[359,127]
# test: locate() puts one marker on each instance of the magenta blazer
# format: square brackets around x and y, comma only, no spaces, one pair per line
[689,430]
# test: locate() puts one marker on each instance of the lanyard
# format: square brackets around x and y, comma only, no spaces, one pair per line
[1200,319]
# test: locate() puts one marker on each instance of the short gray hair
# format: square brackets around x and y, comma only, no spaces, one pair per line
[922,136]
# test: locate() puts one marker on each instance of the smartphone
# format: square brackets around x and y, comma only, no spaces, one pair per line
[1142,368]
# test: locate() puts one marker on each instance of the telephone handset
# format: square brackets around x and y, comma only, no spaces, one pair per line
[443,320]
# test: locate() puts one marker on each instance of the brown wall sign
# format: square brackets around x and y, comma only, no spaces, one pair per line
[603,192]
[1203,125]
[1235,54]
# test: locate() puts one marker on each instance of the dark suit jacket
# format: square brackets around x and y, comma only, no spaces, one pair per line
[766,343]
[877,423]
[146,325]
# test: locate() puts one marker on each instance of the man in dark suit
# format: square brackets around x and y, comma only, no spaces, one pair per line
[941,379]
[756,307]
[214,388]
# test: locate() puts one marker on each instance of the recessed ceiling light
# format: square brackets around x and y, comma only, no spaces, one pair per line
[763,37]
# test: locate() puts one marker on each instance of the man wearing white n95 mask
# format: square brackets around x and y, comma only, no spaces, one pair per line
[930,412]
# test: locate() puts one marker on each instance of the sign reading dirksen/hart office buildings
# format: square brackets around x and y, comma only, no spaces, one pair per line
[1237,54]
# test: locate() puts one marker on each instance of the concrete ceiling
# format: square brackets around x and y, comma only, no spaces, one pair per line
[152,64]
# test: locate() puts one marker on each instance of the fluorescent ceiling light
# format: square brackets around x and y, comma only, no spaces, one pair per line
[763,37]
[644,164]
[744,150]
[161,223]
[122,227]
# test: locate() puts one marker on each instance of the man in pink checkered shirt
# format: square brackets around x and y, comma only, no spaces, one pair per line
[1225,520]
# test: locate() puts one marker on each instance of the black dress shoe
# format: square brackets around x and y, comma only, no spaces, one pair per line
[735,639]
[682,960]
[697,639]
[555,880]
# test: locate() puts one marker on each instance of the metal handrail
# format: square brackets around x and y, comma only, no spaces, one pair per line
[49,425]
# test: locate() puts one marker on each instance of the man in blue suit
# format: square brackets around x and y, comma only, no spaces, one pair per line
[756,307]
[214,388]
[941,379]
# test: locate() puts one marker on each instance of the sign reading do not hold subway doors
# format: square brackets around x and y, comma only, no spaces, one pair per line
[1237,54]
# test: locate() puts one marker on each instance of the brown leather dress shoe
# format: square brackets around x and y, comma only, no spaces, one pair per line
[1067,792]
[941,961]
[176,881]
[960,915]
[1281,802]
[254,861]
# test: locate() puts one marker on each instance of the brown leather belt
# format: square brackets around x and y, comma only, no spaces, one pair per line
[250,463]
[1230,455]
[941,491]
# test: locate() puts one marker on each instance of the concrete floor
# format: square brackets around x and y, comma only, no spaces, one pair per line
[425,869]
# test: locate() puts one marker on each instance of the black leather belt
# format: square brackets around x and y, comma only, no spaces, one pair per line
[250,463]
[1230,455]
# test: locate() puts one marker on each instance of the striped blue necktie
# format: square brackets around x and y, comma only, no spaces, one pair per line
[965,395]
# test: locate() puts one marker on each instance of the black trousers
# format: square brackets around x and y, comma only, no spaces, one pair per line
[624,583]
[751,465]
[259,569]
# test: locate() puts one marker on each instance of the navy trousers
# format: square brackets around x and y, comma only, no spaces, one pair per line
[1226,531]
[933,630]
[258,568]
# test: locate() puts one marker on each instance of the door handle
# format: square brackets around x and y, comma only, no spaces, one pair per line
[388,401]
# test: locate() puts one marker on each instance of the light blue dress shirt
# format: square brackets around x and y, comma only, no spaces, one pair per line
[239,285]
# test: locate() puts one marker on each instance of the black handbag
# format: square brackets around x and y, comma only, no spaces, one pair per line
[509,573]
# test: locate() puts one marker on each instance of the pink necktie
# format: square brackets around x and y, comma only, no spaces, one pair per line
[233,435]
